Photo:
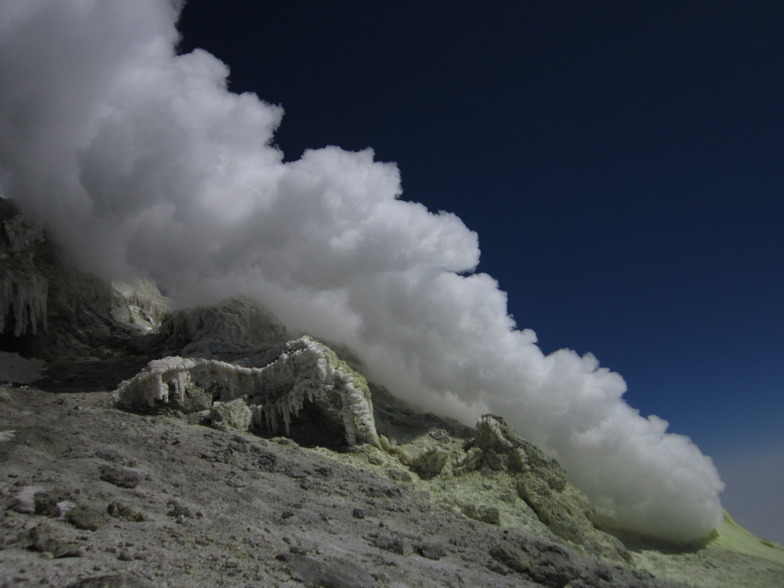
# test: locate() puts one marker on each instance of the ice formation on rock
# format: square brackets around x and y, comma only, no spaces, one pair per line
[22,291]
[305,371]
[26,296]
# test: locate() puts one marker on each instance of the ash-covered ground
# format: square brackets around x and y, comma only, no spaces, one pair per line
[94,496]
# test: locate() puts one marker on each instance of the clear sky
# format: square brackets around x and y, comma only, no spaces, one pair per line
[620,161]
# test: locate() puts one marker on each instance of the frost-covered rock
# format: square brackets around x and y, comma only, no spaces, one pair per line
[232,327]
[305,373]
[234,414]
[139,305]
[23,290]
[50,309]
[25,296]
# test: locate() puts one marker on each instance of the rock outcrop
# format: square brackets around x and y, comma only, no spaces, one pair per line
[23,286]
[305,372]
[232,329]
[54,312]
[140,305]
[541,483]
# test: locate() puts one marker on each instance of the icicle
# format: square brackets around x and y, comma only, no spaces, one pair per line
[306,371]
[27,296]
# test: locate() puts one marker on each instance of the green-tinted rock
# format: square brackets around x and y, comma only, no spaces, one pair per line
[234,415]
[120,510]
[86,518]
[49,539]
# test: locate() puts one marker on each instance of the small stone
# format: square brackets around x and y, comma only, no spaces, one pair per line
[125,555]
[358,513]
[120,510]
[120,477]
[86,518]
[232,415]
[235,483]
[116,457]
[48,539]
[110,581]
[334,572]
[396,545]
[431,462]
[296,473]
[430,551]
[512,557]
[399,475]
[46,503]
[180,511]
[267,461]
[483,513]
[439,435]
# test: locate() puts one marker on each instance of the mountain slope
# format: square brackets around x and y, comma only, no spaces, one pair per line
[197,491]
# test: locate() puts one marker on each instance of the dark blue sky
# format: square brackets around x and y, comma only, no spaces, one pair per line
[621,162]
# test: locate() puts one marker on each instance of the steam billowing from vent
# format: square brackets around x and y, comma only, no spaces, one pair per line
[142,163]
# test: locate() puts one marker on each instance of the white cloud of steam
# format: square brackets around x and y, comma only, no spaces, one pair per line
[141,162]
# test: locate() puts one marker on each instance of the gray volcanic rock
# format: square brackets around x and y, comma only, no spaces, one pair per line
[543,484]
[211,507]
[236,327]
[224,508]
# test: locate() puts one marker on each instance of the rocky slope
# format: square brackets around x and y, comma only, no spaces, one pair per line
[250,457]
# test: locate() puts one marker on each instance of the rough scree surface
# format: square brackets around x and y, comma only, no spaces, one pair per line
[196,506]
